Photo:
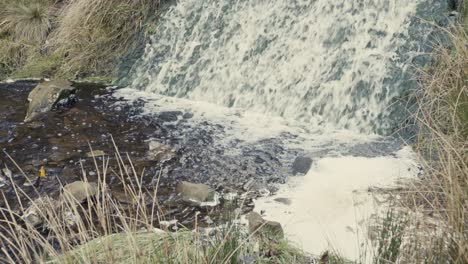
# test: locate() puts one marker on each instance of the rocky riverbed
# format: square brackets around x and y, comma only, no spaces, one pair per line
[164,149]
[197,165]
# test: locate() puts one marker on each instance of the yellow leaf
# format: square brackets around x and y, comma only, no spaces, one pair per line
[42,172]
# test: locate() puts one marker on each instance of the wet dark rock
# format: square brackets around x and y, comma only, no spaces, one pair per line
[45,96]
[301,165]
[67,173]
[187,115]
[170,116]
[262,227]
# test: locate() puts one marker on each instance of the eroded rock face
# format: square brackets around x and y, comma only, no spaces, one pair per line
[45,96]
[79,191]
[196,193]
[262,227]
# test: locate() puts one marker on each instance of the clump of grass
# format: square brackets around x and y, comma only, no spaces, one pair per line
[24,27]
[441,195]
[25,20]
[93,34]
[12,55]
[390,237]
[71,39]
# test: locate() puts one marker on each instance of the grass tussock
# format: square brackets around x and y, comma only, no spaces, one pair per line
[81,38]
[29,21]
[94,33]
[439,200]
[102,230]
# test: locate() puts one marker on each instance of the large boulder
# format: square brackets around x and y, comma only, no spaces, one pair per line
[262,227]
[79,191]
[199,194]
[45,96]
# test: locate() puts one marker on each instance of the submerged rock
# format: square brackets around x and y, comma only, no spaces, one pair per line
[45,96]
[79,191]
[282,200]
[262,227]
[95,153]
[199,194]
[160,152]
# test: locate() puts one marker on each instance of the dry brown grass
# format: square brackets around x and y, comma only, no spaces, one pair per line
[105,231]
[29,21]
[441,195]
[92,34]
[99,217]
[85,37]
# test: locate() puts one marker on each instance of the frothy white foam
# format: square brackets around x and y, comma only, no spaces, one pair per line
[246,125]
[330,205]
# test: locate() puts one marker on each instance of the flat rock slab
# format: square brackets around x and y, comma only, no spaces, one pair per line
[192,192]
[43,98]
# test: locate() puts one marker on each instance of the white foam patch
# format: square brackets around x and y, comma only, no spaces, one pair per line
[331,203]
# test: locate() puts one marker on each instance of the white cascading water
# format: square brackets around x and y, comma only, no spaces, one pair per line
[328,63]
[317,76]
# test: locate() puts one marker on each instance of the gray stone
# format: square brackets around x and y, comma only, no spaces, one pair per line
[165,225]
[35,214]
[198,193]
[7,172]
[262,227]
[248,185]
[44,97]
[301,165]
[79,191]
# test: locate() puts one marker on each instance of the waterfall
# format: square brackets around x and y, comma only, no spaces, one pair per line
[342,64]
[272,82]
